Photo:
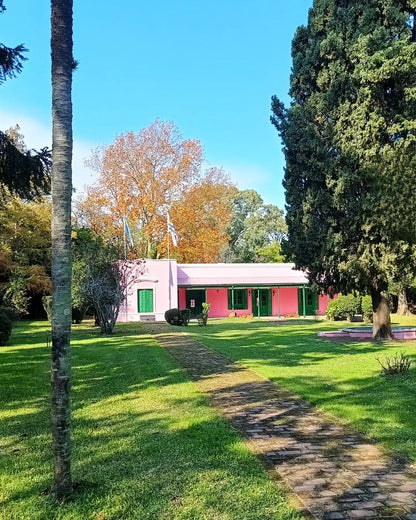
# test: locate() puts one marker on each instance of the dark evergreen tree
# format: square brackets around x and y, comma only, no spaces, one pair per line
[349,141]
[11,59]
[25,173]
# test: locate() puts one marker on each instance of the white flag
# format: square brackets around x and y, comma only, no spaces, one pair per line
[171,229]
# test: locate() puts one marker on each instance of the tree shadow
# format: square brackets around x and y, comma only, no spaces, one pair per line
[333,468]
[134,459]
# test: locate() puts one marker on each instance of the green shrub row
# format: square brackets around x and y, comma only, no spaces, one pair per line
[345,307]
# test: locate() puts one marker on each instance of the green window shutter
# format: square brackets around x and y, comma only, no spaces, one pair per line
[145,300]
[244,300]
[240,299]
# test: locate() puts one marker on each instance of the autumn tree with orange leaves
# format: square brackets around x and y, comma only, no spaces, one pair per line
[143,177]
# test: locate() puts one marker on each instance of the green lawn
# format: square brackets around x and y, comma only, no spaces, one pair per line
[146,444]
[340,377]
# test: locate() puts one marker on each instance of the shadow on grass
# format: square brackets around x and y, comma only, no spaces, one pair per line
[335,467]
[145,443]
[289,345]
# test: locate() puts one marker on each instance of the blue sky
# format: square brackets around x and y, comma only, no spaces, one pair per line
[211,67]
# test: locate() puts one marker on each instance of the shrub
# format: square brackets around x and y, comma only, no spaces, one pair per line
[13,313]
[367,308]
[203,317]
[396,365]
[6,325]
[342,308]
[178,317]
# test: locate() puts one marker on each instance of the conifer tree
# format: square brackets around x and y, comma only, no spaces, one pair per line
[349,141]
[25,173]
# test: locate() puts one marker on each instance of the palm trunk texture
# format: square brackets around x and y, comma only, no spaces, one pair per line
[62,61]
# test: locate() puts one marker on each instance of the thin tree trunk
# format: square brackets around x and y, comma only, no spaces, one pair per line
[381,315]
[62,62]
[402,304]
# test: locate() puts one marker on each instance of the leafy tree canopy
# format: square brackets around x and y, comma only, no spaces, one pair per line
[349,141]
[25,251]
[254,226]
[143,177]
[99,281]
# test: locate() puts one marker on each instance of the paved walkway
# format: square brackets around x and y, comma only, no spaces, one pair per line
[334,473]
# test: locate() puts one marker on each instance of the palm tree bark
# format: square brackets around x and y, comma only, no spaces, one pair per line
[62,62]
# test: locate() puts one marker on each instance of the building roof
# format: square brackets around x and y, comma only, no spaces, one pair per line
[246,275]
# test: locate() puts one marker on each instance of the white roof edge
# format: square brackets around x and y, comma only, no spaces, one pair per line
[240,265]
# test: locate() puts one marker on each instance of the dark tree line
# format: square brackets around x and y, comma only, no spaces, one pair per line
[350,146]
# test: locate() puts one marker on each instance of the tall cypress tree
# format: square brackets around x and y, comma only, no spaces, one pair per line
[349,142]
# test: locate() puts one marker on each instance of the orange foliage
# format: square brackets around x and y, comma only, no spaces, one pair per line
[201,221]
[146,175]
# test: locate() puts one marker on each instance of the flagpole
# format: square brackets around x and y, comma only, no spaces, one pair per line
[169,296]
[167,223]
[125,258]
[124,237]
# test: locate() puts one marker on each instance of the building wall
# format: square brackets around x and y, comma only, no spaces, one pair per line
[323,301]
[219,302]
[161,277]
[288,301]
[218,298]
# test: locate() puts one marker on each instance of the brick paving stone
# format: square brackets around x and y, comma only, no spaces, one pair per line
[363,514]
[337,473]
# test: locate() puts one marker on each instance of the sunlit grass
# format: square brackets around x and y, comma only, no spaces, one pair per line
[341,377]
[146,444]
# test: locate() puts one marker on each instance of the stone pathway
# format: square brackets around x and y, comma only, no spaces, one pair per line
[334,473]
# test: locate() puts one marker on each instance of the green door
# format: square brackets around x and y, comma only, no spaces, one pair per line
[261,300]
[194,300]
[145,300]
[311,302]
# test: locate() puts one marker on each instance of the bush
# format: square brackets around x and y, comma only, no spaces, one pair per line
[178,317]
[397,365]
[6,325]
[342,308]
[13,313]
[203,317]
[367,308]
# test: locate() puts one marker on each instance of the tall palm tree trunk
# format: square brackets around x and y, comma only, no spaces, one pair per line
[62,63]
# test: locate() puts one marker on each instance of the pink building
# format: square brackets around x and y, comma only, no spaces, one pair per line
[242,289]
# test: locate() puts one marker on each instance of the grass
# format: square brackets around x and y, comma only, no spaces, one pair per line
[341,377]
[146,444]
